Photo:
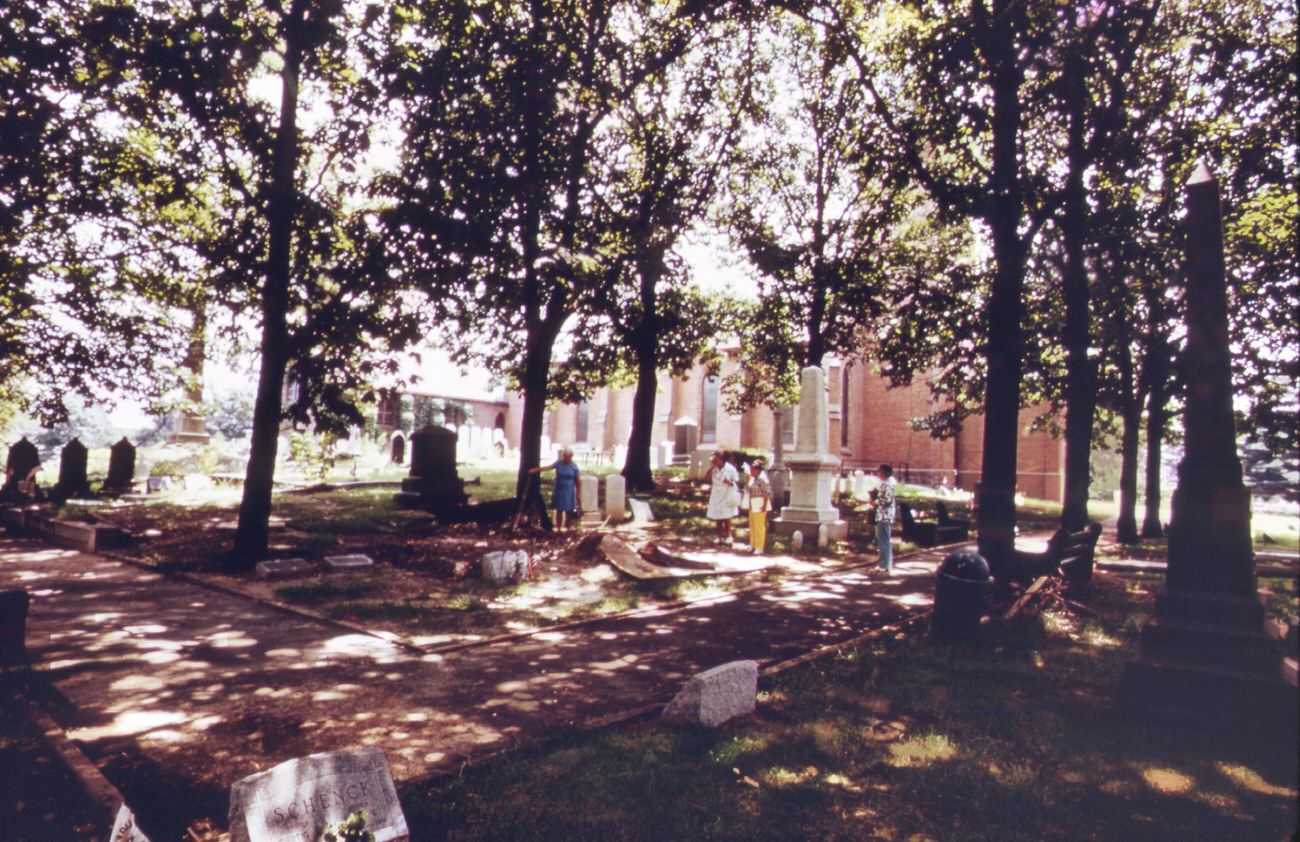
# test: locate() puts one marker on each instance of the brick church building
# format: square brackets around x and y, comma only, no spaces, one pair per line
[870,423]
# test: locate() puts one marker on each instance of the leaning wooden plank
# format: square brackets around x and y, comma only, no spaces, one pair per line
[1025,597]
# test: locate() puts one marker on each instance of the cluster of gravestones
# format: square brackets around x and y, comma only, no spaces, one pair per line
[23,460]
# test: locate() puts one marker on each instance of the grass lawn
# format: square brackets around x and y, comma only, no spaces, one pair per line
[1016,738]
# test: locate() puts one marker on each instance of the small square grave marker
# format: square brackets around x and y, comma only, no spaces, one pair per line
[293,802]
[278,567]
[355,561]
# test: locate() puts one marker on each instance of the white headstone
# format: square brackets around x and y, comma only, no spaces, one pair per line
[641,512]
[823,537]
[124,827]
[505,565]
[589,492]
[615,498]
[716,696]
[861,489]
[355,561]
[796,541]
[278,567]
[293,802]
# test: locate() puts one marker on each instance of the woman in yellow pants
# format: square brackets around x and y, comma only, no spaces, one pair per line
[760,503]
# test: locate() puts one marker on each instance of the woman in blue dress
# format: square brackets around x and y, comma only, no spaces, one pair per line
[564,499]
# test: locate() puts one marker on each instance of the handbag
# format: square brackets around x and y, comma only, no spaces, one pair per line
[733,497]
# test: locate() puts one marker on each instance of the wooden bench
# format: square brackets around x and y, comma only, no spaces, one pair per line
[947,520]
[1068,553]
[925,533]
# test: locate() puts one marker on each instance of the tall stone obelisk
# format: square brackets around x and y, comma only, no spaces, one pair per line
[812,468]
[1209,647]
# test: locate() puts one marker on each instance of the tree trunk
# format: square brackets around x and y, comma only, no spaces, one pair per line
[1080,385]
[996,496]
[255,507]
[1157,413]
[537,373]
[636,468]
[1126,526]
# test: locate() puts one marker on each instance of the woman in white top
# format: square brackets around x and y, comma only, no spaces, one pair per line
[724,496]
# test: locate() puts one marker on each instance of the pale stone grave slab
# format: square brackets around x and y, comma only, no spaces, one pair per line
[641,512]
[276,568]
[716,695]
[505,565]
[343,563]
[615,498]
[125,828]
[589,499]
[293,802]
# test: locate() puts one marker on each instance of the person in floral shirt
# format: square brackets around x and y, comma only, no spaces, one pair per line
[883,503]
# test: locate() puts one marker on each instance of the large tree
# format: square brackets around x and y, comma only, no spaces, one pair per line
[80,312]
[495,206]
[958,89]
[670,147]
[253,118]
[815,207]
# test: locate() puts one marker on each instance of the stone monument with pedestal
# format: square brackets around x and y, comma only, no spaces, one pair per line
[433,482]
[812,469]
[1209,649]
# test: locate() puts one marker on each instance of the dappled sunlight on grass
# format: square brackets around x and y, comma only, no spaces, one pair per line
[922,750]
[1167,781]
[1243,777]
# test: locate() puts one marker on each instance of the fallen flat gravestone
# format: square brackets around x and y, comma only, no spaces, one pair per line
[716,696]
[125,828]
[279,567]
[356,561]
[294,801]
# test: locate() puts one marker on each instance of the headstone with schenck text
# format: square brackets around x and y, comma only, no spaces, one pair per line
[295,801]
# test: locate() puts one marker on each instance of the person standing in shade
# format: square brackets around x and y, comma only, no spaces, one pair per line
[883,504]
[564,499]
[760,503]
[724,496]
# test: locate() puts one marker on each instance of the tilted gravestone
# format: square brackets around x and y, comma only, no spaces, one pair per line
[716,696]
[295,801]
[72,472]
[398,452]
[433,482]
[121,468]
[125,828]
[641,512]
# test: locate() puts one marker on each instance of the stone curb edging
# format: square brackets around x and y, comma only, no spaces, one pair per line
[415,648]
[648,710]
[87,774]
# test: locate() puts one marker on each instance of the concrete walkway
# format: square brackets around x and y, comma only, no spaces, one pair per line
[204,688]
